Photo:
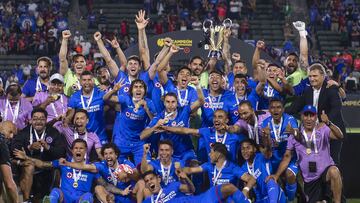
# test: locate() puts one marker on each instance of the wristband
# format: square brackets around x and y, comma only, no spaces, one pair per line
[247,189]
[18,162]
[303,33]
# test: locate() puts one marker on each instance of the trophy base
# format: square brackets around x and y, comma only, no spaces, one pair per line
[215,54]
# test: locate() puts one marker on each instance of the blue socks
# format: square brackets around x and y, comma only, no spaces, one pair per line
[290,191]
[55,195]
[273,190]
[239,197]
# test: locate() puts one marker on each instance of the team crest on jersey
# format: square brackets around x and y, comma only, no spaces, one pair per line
[173,123]
[158,85]
[69,175]
[49,140]
[213,99]
[109,179]
[236,113]
[206,105]
[127,114]
[126,89]
[211,145]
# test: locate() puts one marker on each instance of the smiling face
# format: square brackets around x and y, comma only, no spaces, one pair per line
[165,152]
[183,78]
[240,86]
[215,81]
[38,121]
[291,64]
[80,121]
[316,78]
[133,68]
[79,151]
[138,91]
[214,156]
[43,69]
[79,64]
[219,119]
[110,156]
[272,72]
[309,120]
[170,103]
[152,182]
[247,151]
[246,113]
[103,75]
[276,109]
[87,83]
[239,68]
[56,87]
[196,66]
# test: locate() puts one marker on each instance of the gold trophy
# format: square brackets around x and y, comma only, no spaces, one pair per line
[210,33]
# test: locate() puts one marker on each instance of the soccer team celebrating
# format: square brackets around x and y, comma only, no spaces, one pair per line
[208,133]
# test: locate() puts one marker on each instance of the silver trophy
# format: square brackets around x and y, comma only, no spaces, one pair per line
[210,33]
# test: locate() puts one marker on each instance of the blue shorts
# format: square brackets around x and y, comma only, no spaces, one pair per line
[293,167]
[122,199]
[127,149]
[212,195]
[186,156]
[75,196]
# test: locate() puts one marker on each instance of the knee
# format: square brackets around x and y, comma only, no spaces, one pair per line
[228,188]
[290,176]
[99,189]
[333,172]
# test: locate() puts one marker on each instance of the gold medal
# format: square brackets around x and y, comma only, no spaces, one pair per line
[55,96]
[166,120]
[75,184]
[308,151]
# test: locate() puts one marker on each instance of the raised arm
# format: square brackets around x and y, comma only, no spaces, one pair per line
[119,52]
[112,188]
[187,185]
[260,45]
[163,64]
[145,166]
[273,83]
[304,50]
[109,95]
[141,23]
[64,64]
[262,81]
[201,99]
[114,69]
[81,166]
[226,51]
[192,170]
[335,132]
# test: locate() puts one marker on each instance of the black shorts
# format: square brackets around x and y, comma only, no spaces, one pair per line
[4,153]
[319,189]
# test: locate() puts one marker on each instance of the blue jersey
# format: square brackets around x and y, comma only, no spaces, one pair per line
[223,101]
[157,93]
[231,78]
[104,172]
[167,175]
[231,141]
[252,97]
[167,194]
[67,179]
[131,121]
[279,146]
[231,173]
[260,169]
[182,143]
[185,97]
[95,110]
[30,86]
[269,92]
[144,76]
[300,88]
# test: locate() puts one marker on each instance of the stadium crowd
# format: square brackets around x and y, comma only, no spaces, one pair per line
[214,132]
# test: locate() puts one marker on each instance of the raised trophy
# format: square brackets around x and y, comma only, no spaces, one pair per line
[211,32]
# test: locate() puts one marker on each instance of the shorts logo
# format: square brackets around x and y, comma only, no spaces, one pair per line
[49,140]
[69,175]
[126,89]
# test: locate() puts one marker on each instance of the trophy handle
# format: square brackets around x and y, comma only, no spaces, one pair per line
[227,23]
[207,24]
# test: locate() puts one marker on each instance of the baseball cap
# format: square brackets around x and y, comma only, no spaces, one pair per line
[58,77]
[310,109]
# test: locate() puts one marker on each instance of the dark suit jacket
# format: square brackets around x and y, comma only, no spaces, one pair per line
[329,101]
